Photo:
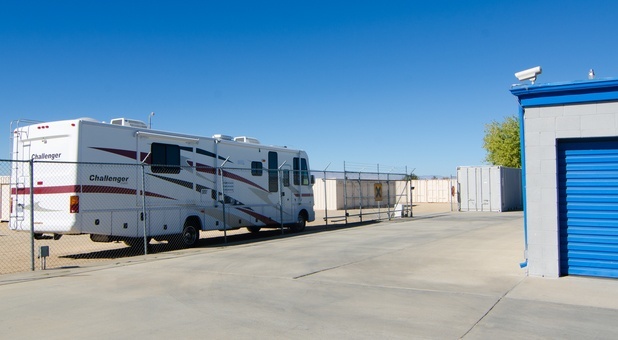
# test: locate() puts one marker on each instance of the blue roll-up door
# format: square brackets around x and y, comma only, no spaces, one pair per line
[588,207]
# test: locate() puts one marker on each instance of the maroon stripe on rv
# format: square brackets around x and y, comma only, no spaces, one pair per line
[262,218]
[241,179]
[65,189]
[153,194]
[143,156]
[304,195]
[100,189]
[211,170]
[124,153]
[204,168]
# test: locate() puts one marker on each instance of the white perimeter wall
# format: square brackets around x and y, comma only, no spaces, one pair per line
[543,126]
[433,190]
[329,193]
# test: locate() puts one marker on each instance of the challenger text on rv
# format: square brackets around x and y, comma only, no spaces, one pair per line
[43,155]
[107,178]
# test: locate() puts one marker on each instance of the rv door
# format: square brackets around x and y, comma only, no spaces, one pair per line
[287,195]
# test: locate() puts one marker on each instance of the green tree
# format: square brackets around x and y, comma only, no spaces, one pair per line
[411,176]
[501,142]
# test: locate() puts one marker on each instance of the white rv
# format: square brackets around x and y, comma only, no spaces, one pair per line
[121,181]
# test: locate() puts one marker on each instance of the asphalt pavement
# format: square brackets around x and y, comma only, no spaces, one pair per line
[439,276]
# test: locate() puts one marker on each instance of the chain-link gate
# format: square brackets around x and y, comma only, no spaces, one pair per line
[352,197]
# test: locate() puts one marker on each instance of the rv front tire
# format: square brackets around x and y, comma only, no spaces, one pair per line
[300,224]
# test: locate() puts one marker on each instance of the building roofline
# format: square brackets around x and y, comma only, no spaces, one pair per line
[578,92]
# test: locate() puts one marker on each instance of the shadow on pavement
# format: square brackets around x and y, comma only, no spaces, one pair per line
[232,240]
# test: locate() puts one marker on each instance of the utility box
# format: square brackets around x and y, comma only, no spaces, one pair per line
[489,188]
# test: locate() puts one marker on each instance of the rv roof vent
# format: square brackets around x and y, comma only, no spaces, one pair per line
[245,139]
[129,122]
[222,137]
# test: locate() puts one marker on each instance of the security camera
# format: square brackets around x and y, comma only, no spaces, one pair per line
[529,74]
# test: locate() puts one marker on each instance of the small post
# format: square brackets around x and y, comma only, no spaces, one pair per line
[43,254]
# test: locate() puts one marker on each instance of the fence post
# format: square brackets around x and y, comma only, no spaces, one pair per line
[326,195]
[280,197]
[388,195]
[144,225]
[360,194]
[31,163]
[345,193]
[380,202]
[280,190]
[223,204]
[221,175]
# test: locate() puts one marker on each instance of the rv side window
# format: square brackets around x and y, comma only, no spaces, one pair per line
[296,171]
[301,173]
[273,177]
[304,174]
[228,199]
[286,178]
[165,158]
[256,168]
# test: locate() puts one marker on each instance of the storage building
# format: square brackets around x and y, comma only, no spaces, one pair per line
[570,161]
[489,188]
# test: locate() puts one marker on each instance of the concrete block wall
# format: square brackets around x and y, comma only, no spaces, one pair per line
[543,127]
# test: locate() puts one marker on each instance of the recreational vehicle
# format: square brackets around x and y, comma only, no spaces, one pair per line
[121,181]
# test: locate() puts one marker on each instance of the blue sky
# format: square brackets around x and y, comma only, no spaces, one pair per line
[395,83]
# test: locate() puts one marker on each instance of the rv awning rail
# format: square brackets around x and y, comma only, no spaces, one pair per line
[168,137]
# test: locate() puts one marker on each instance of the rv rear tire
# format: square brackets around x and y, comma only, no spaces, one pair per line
[190,235]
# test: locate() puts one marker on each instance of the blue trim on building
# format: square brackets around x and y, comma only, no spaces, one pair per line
[566,93]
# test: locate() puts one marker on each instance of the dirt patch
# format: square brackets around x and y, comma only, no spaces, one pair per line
[78,250]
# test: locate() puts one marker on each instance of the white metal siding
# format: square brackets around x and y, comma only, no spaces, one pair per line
[489,188]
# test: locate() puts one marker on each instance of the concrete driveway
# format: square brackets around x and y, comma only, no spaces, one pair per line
[442,276]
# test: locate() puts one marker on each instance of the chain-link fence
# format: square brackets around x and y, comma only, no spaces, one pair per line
[58,215]
[349,197]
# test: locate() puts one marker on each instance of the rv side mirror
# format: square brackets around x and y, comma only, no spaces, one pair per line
[312,179]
